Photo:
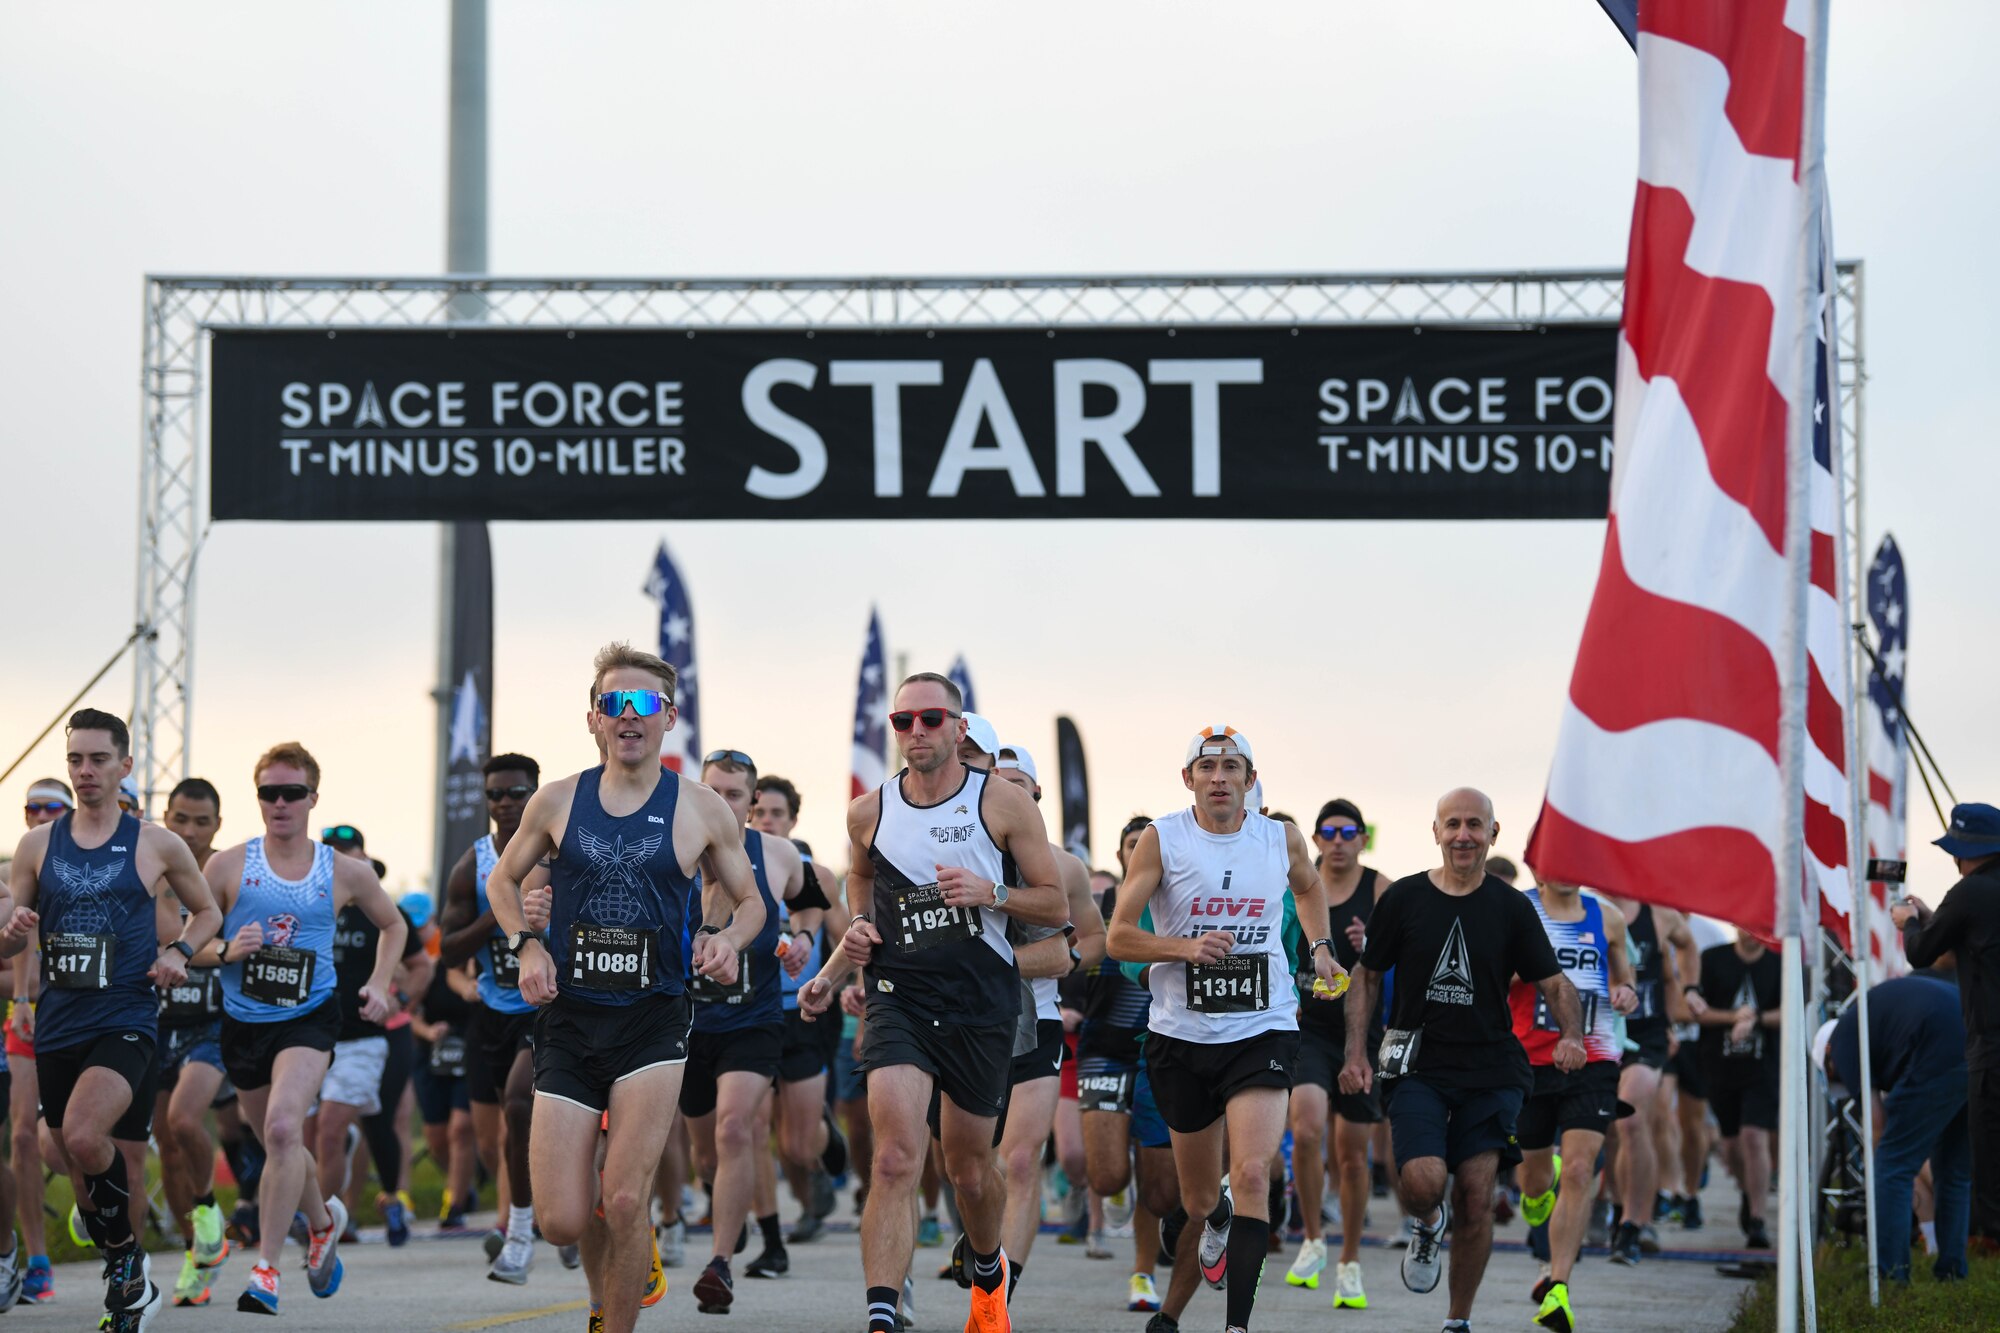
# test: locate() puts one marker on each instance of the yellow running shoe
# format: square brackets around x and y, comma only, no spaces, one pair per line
[656,1279]
[1535,1208]
[191,1288]
[596,1324]
[1555,1313]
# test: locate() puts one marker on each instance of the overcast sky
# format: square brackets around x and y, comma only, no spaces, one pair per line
[1384,662]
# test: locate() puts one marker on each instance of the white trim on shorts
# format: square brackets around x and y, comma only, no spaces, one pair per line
[657,1064]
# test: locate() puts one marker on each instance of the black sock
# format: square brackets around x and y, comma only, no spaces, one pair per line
[1223,1212]
[93,1227]
[206,1201]
[774,1238]
[109,1197]
[987,1271]
[1249,1241]
[882,1309]
[1013,1278]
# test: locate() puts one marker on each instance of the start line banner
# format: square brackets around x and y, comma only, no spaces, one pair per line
[1223,421]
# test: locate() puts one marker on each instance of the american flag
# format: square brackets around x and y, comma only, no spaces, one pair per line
[871,713]
[1666,782]
[681,748]
[1886,745]
[961,676]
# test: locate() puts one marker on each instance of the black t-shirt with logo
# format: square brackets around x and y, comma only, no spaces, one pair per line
[354,940]
[1727,982]
[1454,959]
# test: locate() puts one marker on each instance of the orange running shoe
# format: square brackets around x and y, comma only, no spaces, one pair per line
[656,1280]
[989,1308]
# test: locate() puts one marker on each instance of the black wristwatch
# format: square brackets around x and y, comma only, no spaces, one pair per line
[706,929]
[187,950]
[1326,940]
[519,941]
[1075,958]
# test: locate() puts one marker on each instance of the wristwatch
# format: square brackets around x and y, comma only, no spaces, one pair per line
[999,895]
[187,950]
[1323,940]
[519,940]
[706,929]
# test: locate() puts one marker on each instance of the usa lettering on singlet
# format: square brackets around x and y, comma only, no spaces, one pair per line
[98,938]
[292,973]
[1583,953]
[619,901]
[1223,881]
[938,959]
[755,1000]
[499,971]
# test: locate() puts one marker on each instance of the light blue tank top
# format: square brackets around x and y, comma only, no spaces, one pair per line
[501,999]
[295,914]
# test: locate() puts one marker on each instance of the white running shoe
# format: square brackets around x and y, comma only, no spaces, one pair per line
[1118,1208]
[1309,1265]
[673,1243]
[517,1256]
[1401,1240]
[1214,1252]
[1347,1293]
[1424,1259]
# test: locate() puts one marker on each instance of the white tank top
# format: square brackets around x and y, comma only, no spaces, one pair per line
[1235,882]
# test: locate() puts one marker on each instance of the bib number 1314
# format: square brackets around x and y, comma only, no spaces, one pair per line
[1234,984]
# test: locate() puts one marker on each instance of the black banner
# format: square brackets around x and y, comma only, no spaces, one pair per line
[1075,789]
[1241,421]
[467,741]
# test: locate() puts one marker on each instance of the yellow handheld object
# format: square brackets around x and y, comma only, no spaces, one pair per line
[1322,991]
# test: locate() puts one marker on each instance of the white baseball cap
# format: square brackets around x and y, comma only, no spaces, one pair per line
[1821,1040]
[1210,736]
[980,732]
[1015,756]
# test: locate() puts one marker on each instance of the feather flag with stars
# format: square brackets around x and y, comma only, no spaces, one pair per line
[681,749]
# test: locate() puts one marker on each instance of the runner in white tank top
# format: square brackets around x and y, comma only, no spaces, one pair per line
[1225,1037]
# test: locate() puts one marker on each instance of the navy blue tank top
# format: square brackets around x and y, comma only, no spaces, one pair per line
[620,900]
[765,1003]
[98,939]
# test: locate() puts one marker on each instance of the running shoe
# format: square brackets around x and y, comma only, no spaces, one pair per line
[493,1242]
[211,1247]
[1649,1239]
[323,1266]
[958,1268]
[1535,1208]
[571,1256]
[824,1197]
[1308,1266]
[1664,1205]
[1140,1293]
[40,1283]
[300,1233]
[1423,1260]
[452,1223]
[1544,1279]
[191,1287]
[1691,1213]
[988,1313]
[1625,1245]
[833,1158]
[906,1309]
[516,1257]
[595,1324]
[10,1277]
[261,1296]
[128,1278]
[395,1221]
[1163,1323]
[773,1262]
[1118,1207]
[1598,1233]
[929,1234]
[656,1278]
[1755,1237]
[1555,1312]
[811,1227]
[670,1244]
[77,1232]
[137,1319]
[1401,1240]
[1347,1292]
[1215,1248]
[1095,1246]
[714,1289]
[1171,1227]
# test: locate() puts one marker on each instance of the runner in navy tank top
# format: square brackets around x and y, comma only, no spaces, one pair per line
[91,886]
[611,974]
[280,894]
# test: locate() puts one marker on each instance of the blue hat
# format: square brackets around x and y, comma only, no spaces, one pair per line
[416,905]
[1974,832]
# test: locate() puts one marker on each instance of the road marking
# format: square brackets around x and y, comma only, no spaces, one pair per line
[521,1316]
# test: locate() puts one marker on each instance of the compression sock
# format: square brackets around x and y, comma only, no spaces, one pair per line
[109,1197]
[987,1271]
[93,1227]
[1249,1242]
[1223,1212]
[521,1222]
[774,1236]
[1013,1278]
[882,1309]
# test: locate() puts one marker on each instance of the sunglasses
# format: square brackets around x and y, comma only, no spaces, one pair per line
[728,757]
[273,792]
[43,807]
[932,718]
[1344,832]
[643,703]
[340,833]
[502,793]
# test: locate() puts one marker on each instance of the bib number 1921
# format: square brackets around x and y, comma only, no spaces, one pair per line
[924,920]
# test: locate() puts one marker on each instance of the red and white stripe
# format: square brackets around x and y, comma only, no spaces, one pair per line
[1888,761]
[1665,784]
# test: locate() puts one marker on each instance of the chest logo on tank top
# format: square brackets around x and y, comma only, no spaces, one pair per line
[1451,980]
[282,928]
[613,891]
[87,913]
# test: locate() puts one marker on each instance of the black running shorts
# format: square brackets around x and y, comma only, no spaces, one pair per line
[1193,1081]
[804,1055]
[757,1050]
[1586,1099]
[1320,1059]
[1456,1124]
[250,1050]
[581,1048]
[1740,1103]
[970,1064]
[493,1040]
[1652,1040]
[130,1055]
[1045,1061]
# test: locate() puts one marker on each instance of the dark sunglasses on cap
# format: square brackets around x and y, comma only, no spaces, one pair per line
[932,718]
[520,793]
[273,792]
[1344,832]
[341,835]
[728,757]
[43,807]
[643,703]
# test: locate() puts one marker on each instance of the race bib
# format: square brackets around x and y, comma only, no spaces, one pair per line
[921,919]
[1649,1002]
[448,1056]
[195,1000]
[611,957]
[1109,1091]
[79,962]
[707,990]
[281,975]
[506,967]
[1238,983]
[1398,1052]
[1546,1021]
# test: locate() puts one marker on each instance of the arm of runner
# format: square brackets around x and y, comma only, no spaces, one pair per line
[547,809]
[1087,923]
[465,927]
[1364,994]
[1130,942]
[355,880]
[817,995]
[1309,902]
[179,885]
[19,915]
[223,873]
[1624,992]
[859,940]
[1017,827]
[1680,962]
[1567,1010]
[733,895]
